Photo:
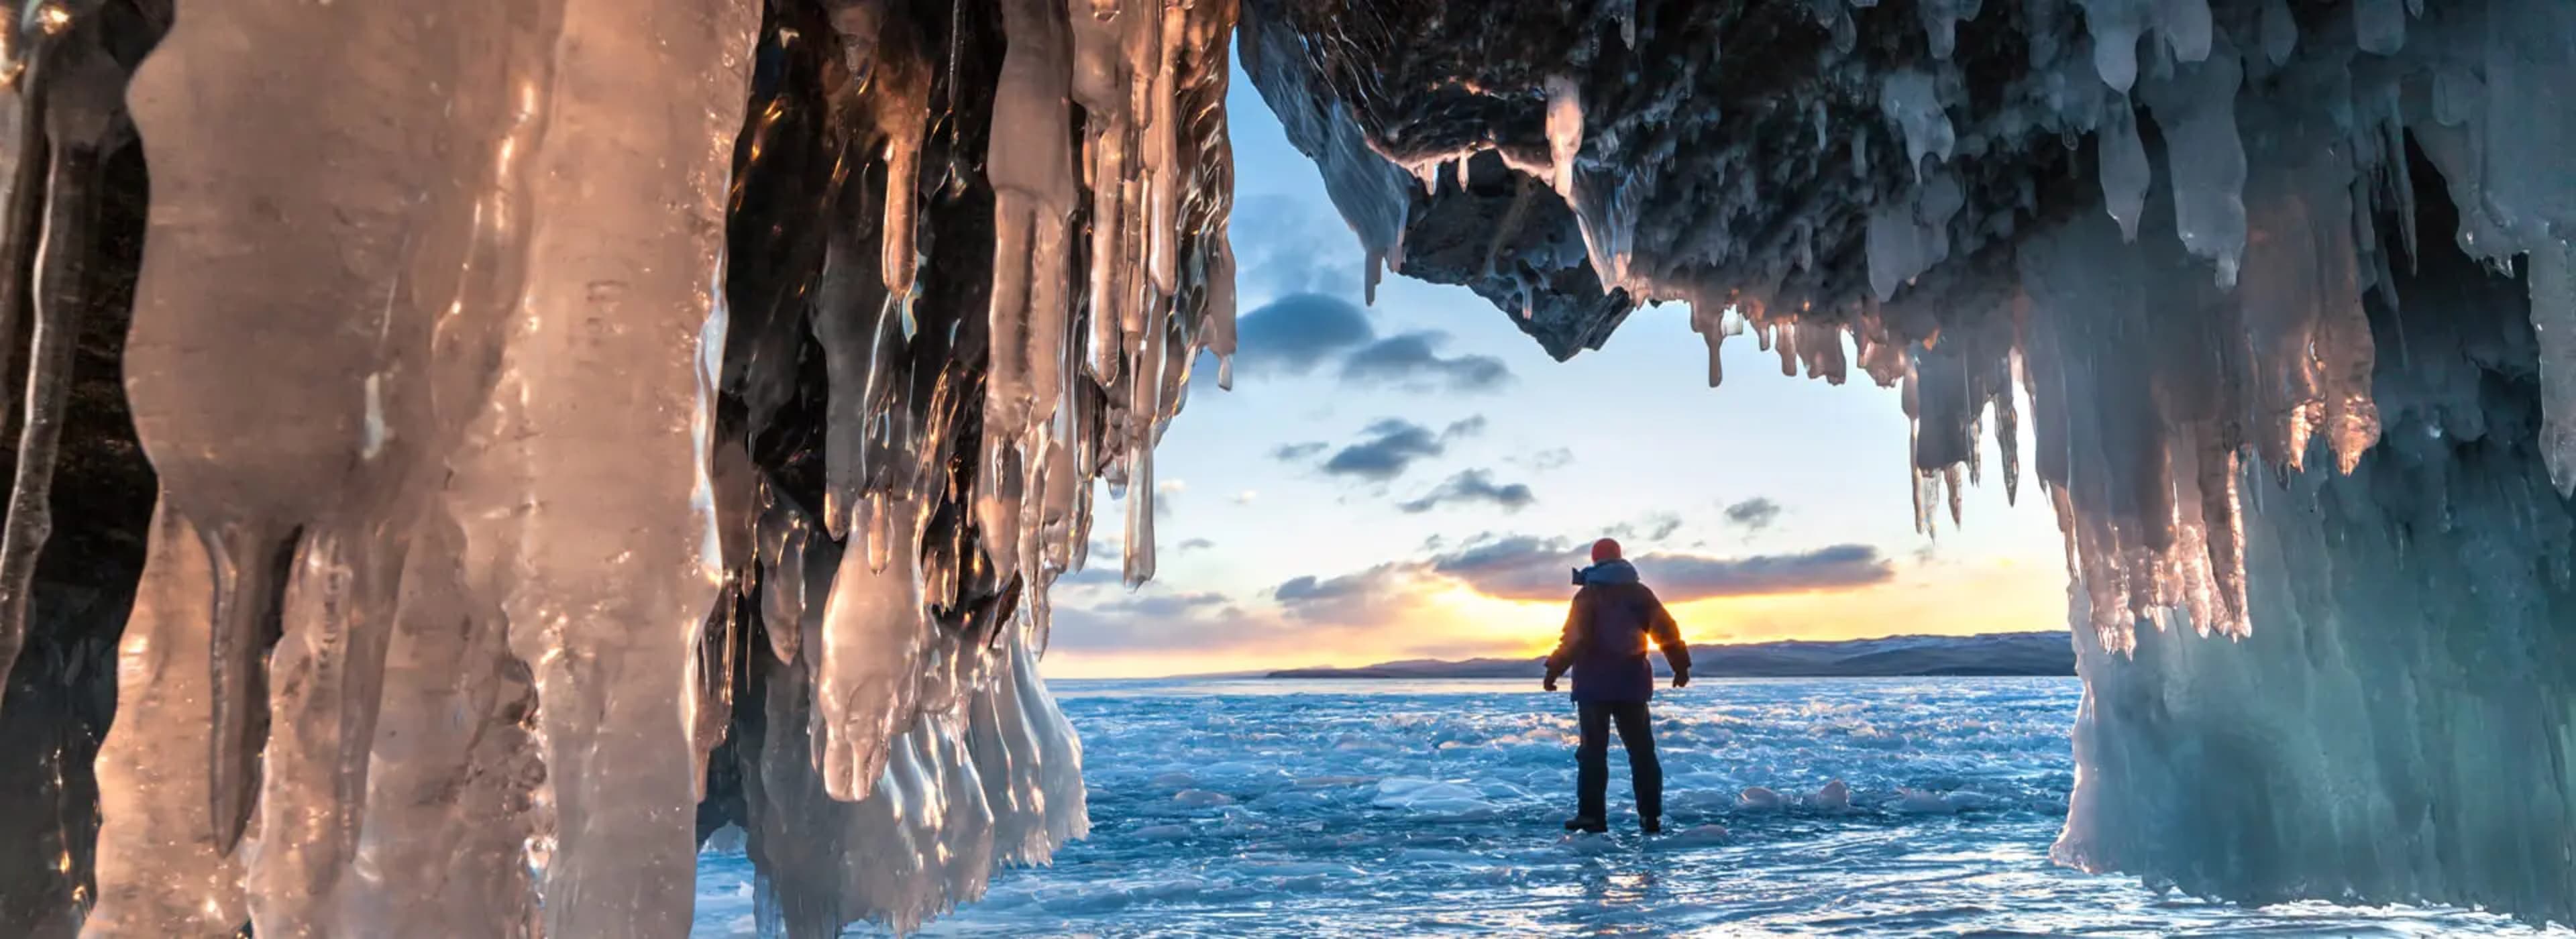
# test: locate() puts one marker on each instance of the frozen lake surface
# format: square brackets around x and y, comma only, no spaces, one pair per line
[1324,808]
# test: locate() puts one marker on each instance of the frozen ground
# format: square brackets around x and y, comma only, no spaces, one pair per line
[1279,808]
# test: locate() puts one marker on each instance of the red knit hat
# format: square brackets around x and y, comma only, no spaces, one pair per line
[1605,550]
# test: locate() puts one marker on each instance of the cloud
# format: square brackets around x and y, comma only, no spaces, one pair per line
[1163,604]
[1363,596]
[1753,514]
[1151,619]
[1293,452]
[1295,333]
[1842,566]
[1392,447]
[1194,544]
[1098,573]
[1473,485]
[1462,429]
[1548,459]
[1287,245]
[1410,361]
[1520,567]
[1246,497]
[1655,526]
[1527,568]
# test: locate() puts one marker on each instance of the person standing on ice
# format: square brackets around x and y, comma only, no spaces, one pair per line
[1607,629]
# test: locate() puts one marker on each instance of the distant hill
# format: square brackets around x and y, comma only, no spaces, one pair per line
[2048,653]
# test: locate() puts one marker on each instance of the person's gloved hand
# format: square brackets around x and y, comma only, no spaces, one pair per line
[1681,678]
[1548,683]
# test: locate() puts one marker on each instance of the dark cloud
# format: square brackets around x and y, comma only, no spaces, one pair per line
[1344,599]
[1519,567]
[1463,428]
[1194,544]
[1410,361]
[1390,449]
[1526,568]
[1679,577]
[1474,485]
[1295,333]
[1298,451]
[1753,514]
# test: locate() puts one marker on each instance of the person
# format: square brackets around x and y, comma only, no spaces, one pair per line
[1607,629]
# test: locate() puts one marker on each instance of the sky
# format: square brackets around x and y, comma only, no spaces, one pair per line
[1414,479]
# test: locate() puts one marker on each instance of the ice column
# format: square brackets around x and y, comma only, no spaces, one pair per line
[421,403]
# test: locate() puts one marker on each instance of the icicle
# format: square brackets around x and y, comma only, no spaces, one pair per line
[2553,322]
[842,324]
[61,293]
[2206,158]
[2124,171]
[1220,307]
[1950,480]
[2186,27]
[329,673]
[1564,133]
[2115,26]
[1162,154]
[1906,238]
[451,812]
[2280,32]
[162,870]
[2379,26]
[1908,99]
[2008,431]
[898,92]
[874,637]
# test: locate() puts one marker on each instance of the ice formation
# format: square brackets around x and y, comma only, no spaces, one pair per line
[581,426]
[552,432]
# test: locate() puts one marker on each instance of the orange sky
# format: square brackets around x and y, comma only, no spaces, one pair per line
[1450,621]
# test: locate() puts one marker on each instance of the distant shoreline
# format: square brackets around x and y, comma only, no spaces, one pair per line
[1989,655]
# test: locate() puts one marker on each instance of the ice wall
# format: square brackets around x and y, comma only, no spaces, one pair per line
[579,426]
[2294,332]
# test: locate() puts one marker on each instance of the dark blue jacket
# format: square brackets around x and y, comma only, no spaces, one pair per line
[1607,630]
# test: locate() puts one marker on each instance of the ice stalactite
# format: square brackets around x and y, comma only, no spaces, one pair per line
[343,341]
[2553,321]
[892,742]
[633,461]
[2395,727]
[69,123]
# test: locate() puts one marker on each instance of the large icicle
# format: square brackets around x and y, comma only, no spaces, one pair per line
[608,586]
[2553,324]
[300,478]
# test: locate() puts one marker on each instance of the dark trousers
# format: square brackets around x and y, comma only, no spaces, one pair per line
[1592,757]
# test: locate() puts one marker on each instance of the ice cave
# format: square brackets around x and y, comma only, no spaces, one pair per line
[464,453]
